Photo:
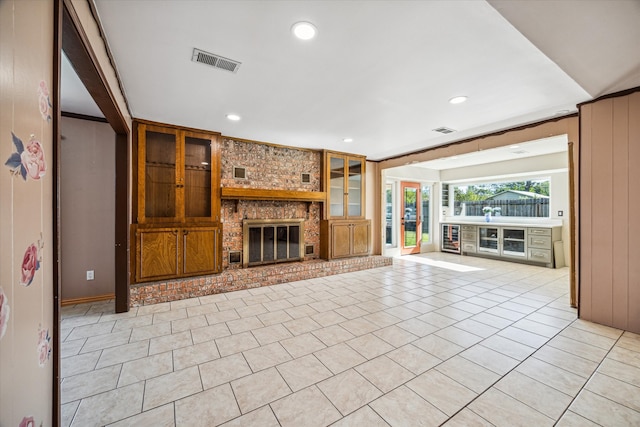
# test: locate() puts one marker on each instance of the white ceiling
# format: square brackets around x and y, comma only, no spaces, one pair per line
[380,72]
[539,147]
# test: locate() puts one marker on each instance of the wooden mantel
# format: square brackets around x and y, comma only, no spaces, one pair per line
[230,193]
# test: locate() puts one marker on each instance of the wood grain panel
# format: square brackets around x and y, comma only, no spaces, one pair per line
[585,292]
[361,238]
[602,211]
[609,267]
[157,250]
[199,250]
[634,208]
[197,193]
[620,220]
[341,243]
[267,194]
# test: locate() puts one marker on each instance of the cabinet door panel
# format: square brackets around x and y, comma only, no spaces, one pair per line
[157,251]
[336,186]
[341,243]
[361,240]
[197,176]
[160,174]
[200,246]
[354,188]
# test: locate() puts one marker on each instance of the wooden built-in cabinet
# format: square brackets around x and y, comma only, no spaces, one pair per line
[177,204]
[166,252]
[344,231]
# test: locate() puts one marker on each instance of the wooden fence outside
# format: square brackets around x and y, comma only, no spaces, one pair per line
[538,208]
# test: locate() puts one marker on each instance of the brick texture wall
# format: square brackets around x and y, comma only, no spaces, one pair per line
[268,167]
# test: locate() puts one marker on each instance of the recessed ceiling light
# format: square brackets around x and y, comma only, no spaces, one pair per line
[454,158]
[514,146]
[458,99]
[347,140]
[304,30]
[233,117]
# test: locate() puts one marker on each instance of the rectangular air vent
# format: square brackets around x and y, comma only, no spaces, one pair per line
[214,60]
[235,257]
[306,178]
[444,130]
[239,173]
[308,249]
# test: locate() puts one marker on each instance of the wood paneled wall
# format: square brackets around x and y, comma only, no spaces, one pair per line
[610,212]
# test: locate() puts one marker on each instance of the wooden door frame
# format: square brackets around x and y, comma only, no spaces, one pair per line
[76,46]
[70,36]
[417,187]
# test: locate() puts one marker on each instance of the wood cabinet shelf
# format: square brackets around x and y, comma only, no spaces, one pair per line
[230,193]
[176,228]
[344,231]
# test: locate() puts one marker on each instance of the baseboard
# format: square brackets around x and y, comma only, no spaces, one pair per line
[84,300]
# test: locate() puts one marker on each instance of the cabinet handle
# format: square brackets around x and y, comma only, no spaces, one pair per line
[185,232]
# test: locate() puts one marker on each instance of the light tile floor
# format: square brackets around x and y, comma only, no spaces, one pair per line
[435,339]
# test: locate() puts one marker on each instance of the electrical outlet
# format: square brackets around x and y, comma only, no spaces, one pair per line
[90,274]
[560,213]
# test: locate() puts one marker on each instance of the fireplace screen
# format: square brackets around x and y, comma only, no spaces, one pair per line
[271,241]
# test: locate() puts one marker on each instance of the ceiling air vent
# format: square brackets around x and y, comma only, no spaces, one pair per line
[444,130]
[216,61]
[520,152]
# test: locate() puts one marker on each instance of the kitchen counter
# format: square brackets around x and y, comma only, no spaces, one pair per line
[504,222]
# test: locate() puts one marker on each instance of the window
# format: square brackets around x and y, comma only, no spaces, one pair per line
[388,214]
[426,213]
[527,198]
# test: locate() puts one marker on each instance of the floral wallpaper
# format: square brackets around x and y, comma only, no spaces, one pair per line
[30,264]
[26,213]
[27,161]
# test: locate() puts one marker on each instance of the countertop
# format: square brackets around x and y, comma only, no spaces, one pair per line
[504,222]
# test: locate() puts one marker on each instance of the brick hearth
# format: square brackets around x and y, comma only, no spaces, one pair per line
[247,278]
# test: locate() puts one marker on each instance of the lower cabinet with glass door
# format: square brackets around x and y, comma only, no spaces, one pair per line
[170,252]
[532,245]
[502,241]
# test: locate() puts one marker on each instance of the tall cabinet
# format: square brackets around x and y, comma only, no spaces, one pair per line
[344,231]
[177,206]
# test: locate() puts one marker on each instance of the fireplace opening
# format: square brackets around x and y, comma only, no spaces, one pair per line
[269,241]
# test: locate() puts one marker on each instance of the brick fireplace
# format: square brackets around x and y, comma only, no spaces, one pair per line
[270,241]
[263,167]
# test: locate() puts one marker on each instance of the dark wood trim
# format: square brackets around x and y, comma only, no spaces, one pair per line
[76,46]
[96,17]
[228,193]
[55,173]
[573,298]
[466,140]
[84,117]
[171,126]
[84,300]
[78,49]
[579,214]
[611,95]
[121,213]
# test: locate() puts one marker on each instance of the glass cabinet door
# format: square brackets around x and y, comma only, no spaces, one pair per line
[336,186]
[160,174]
[354,190]
[197,177]
[514,242]
[488,239]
